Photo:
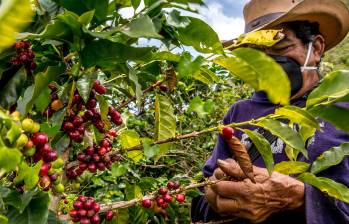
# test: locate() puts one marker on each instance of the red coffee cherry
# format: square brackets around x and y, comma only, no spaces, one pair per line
[228,132]
[146,203]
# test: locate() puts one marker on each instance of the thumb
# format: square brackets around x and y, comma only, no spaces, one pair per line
[231,168]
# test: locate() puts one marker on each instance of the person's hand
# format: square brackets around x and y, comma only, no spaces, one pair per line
[256,202]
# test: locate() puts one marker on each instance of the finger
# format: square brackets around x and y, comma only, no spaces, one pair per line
[227,206]
[211,197]
[232,189]
[219,174]
[231,168]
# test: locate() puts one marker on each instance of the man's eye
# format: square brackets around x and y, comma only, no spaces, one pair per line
[281,48]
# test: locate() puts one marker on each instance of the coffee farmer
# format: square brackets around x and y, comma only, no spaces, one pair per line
[311,27]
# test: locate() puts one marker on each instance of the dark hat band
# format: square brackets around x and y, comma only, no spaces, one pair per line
[260,21]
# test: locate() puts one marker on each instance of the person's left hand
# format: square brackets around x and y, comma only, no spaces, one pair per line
[255,202]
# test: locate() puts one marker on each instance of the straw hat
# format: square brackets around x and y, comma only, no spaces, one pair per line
[332,16]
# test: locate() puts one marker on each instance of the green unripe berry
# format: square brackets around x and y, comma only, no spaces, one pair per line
[75,186]
[30,152]
[59,188]
[27,125]
[36,127]
[58,163]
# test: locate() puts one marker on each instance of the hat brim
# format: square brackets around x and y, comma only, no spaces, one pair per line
[332,16]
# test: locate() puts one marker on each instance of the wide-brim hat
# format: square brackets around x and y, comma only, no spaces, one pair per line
[332,16]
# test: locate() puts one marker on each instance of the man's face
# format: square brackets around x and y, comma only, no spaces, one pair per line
[295,49]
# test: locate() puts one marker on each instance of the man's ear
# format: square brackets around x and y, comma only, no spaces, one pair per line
[319,48]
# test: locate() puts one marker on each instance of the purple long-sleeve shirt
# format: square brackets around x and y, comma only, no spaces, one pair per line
[318,207]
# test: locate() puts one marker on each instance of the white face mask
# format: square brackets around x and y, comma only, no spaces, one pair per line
[305,66]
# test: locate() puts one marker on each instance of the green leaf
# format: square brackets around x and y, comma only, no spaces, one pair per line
[174,19]
[3,219]
[135,3]
[291,167]
[118,170]
[35,213]
[51,131]
[186,67]
[28,174]
[332,188]
[13,132]
[129,138]
[9,158]
[14,16]
[56,30]
[165,121]
[72,20]
[87,17]
[58,117]
[266,38]
[298,115]
[149,150]
[42,80]
[254,67]
[121,216]
[104,107]
[206,76]
[306,132]
[133,191]
[135,155]
[43,100]
[166,55]
[20,200]
[102,53]
[142,26]
[132,75]
[338,116]
[332,157]
[200,36]
[23,101]
[81,6]
[200,107]
[263,147]
[334,85]
[287,134]
[62,144]
[11,91]
[85,83]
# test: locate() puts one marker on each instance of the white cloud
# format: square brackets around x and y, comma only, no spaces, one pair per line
[227,27]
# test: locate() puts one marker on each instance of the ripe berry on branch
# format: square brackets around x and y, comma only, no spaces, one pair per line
[146,203]
[180,198]
[227,132]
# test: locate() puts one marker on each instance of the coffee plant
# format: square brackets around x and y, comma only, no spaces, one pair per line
[99,127]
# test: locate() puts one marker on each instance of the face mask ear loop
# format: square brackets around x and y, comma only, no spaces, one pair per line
[305,67]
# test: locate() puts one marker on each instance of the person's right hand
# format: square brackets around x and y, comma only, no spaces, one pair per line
[255,202]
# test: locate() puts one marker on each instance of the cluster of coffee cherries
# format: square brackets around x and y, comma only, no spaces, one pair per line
[25,56]
[39,148]
[164,197]
[93,158]
[86,211]
[82,113]
[55,103]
